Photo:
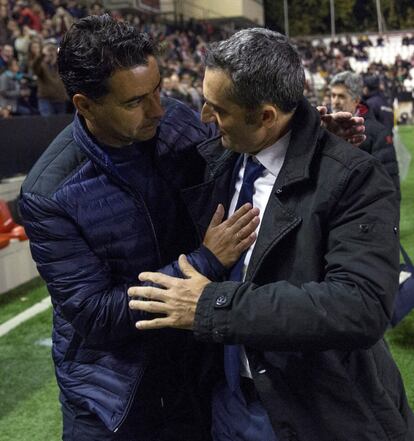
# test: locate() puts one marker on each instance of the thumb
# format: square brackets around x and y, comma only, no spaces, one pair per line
[217,216]
[185,267]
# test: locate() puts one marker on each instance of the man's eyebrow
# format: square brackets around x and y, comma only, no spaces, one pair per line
[213,105]
[140,97]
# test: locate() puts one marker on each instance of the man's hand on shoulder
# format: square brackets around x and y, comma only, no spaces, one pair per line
[175,298]
[343,124]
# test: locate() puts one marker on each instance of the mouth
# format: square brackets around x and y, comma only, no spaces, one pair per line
[151,125]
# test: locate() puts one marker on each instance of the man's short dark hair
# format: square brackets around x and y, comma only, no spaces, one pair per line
[94,48]
[263,66]
[372,83]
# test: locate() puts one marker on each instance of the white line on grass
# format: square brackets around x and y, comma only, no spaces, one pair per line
[25,315]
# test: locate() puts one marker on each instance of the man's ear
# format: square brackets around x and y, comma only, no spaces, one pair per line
[270,115]
[84,105]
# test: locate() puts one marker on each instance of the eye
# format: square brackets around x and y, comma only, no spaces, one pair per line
[133,104]
[220,112]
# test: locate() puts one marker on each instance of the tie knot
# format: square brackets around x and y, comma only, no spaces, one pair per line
[252,171]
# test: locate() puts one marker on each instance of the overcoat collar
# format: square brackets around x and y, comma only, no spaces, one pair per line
[278,220]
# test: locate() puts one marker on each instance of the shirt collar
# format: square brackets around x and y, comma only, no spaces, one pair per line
[272,157]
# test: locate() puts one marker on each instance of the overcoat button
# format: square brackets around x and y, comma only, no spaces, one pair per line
[220,301]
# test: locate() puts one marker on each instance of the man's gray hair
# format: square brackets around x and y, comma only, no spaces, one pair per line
[263,66]
[352,81]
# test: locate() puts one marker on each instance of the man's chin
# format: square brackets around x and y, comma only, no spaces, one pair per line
[225,143]
[147,133]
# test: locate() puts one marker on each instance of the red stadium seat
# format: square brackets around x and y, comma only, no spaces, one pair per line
[4,241]
[8,227]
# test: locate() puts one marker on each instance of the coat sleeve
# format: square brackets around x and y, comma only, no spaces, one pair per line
[204,261]
[348,308]
[81,284]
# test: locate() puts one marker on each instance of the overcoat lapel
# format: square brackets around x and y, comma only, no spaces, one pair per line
[202,200]
[276,223]
[278,220]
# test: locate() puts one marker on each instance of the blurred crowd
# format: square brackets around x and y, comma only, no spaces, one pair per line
[323,60]
[30,31]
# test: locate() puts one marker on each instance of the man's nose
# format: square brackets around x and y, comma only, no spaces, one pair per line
[207,116]
[155,109]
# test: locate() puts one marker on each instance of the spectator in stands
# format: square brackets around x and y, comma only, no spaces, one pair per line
[75,9]
[4,19]
[51,95]
[62,21]
[304,314]
[406,40]
[346,95]
[195,100]
[13,30]
[24,15]
[34,51]
[48,31]
[14,93]
[379,105]
[6,54]
[96,8]
[22,42]
[5,112]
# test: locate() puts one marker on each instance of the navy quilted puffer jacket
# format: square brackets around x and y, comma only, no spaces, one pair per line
[96,217]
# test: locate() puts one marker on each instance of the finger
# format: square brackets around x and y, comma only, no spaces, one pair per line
[217,216]
[238,214]
[148,292]
[342,116]
[326,118]
[248,229]
[322,110]
[357,140]
[246,243]
[157,323]
[358,120]
[185,267]
[354,129]
[157,278]
[153,307]
[244,221]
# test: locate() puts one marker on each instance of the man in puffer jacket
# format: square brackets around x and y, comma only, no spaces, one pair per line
[104,203]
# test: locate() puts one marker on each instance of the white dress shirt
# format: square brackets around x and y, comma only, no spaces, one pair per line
[272,159]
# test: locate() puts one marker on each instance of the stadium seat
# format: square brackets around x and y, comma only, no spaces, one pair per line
[8,227]
[4,241]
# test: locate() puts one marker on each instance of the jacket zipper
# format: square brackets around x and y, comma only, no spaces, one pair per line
[129,404]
